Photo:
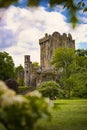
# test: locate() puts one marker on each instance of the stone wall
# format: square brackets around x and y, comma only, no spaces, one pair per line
[49,43]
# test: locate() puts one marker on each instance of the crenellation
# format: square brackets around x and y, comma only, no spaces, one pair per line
[69,36]
[56,34]
[56,40]
[64,35]
[44,39]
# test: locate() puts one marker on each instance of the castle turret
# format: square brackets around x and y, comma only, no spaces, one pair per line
[27,70]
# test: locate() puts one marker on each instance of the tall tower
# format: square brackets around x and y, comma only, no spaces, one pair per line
[27,70]
[50,43]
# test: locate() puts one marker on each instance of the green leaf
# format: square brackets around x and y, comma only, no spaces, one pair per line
[6,3]
[73,21]
[85,9]
[33,2]
[83,4]
[56,2]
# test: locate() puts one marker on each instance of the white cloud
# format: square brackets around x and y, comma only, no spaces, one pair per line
[28,25]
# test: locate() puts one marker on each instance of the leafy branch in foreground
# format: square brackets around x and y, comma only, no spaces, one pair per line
[19,112]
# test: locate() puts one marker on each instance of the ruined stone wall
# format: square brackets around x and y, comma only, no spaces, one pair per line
[20,76]
[49,43]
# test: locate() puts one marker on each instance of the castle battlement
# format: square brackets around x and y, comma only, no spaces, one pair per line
[44,39]
[47,37]
[49,43]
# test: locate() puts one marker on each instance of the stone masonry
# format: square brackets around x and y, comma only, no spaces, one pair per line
[48,44]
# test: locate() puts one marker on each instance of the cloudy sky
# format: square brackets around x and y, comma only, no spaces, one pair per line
[21,28]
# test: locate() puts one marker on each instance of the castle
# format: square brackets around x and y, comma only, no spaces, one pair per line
[34,76]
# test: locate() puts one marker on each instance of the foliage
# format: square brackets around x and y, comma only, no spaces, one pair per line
[6,3]
[23,89]
[71,5]
[81,52]
[19,71]
[71,67]
[63,57]
[81,74]
[19,112]
[64,63]
[6,66]
[35,64]
[12,84]
[49,89]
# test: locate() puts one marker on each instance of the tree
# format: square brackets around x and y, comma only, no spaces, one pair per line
[49,89]
[19,74]
[64,63]
[72,6]
[6,66]
[81,52]
[71,67]
[18,68]
[35,64]
[80,89]
[81,74]
[12,84]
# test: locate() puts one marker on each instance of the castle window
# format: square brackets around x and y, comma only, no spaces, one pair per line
[26,71]
[26,59]
[26,65]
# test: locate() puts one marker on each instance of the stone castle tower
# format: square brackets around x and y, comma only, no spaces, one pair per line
[28,68]
[49,43]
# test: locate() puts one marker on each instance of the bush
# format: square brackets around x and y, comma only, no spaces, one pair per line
[23,89]
[80,91]
[19,112]
[12,84]
[50,89]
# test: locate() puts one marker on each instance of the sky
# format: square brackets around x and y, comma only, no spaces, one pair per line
[21,28]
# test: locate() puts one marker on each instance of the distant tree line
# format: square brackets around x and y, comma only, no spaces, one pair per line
[7,67]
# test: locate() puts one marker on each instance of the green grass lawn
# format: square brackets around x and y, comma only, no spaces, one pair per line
[68,115]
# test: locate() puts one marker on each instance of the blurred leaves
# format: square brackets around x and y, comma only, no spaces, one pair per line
[6,3]
[19,112]
[33,2]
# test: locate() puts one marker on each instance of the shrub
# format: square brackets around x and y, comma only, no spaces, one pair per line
[12,84]
[23,89]
[49,89]
[19,112]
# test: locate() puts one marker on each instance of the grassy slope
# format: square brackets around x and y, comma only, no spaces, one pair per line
[68,115]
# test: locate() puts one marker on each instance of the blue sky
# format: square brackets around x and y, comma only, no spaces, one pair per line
[22,27]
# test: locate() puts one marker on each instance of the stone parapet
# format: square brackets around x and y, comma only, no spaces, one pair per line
[44,39]
[49,43]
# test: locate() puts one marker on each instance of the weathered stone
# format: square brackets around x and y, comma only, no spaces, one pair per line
[27,70]
[48,44]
